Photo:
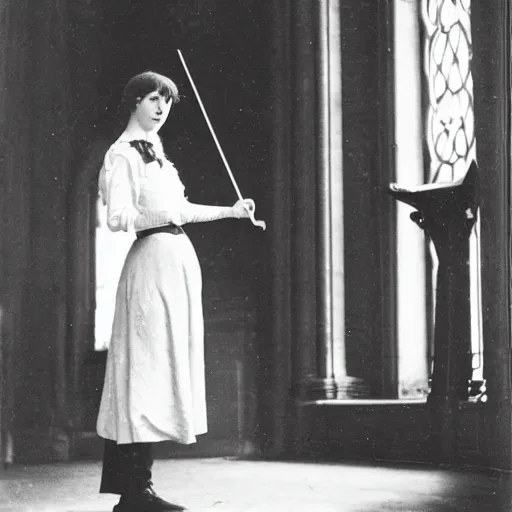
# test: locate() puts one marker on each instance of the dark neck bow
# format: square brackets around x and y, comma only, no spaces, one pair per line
[146,150]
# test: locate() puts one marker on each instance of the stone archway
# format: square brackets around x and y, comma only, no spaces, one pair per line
[84,384]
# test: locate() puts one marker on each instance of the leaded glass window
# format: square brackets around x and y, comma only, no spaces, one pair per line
[450,120]
[450,123]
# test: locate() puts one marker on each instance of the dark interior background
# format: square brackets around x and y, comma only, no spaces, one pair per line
[73,65]
[256,64]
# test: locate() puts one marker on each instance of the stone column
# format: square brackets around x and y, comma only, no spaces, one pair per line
[332,381]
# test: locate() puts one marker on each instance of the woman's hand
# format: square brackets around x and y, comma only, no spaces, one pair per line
[242,208]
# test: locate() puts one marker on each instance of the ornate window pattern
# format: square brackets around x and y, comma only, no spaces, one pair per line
[450,129]
[450,120]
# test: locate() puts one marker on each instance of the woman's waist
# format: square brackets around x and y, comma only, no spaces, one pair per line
[171,229]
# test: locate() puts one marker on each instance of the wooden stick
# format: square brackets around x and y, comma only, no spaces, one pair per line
[217,143]
[212,131]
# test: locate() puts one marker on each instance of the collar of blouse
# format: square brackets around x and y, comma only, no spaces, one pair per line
[146,150]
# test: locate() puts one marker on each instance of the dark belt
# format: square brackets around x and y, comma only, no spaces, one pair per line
[170,228]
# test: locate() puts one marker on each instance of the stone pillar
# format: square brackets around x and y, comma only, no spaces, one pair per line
[331,380]
[411,299]
[325,172]
[15,121]
[491,69]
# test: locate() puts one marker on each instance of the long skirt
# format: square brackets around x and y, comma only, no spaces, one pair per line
[154,386]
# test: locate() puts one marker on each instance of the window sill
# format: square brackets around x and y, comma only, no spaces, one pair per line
[383,402]
[365,401]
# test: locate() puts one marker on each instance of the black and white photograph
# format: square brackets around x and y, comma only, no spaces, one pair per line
[255,256]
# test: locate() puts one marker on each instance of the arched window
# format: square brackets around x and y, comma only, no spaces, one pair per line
[450,127]
[435,142]
[111,250]
[375,273]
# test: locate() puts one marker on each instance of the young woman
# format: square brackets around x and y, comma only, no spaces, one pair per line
[154,383]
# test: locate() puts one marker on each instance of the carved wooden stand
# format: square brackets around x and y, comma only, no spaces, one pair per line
[448,213]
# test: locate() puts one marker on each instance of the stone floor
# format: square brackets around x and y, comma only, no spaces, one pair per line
[249,486]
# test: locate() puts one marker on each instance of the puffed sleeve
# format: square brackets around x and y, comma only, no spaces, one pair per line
[121,193]
[120,183]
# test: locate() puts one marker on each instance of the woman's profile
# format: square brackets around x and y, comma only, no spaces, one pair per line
[154,381]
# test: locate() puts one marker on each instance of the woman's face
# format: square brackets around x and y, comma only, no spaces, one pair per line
[152,111]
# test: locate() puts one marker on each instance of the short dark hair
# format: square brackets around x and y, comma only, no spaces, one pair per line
[145,83]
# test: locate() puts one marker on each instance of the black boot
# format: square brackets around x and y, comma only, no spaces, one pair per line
[127,471]
[145,501]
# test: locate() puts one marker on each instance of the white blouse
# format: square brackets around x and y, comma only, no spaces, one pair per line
[139,195]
